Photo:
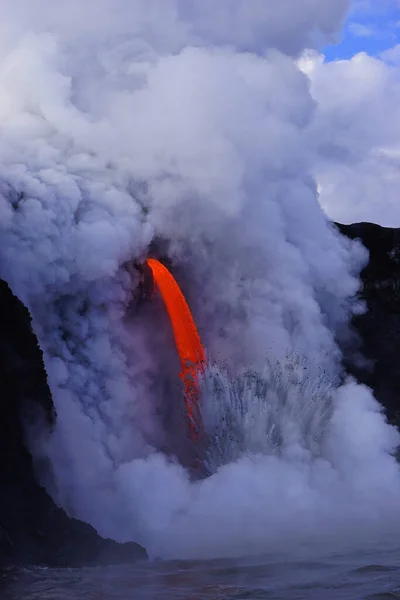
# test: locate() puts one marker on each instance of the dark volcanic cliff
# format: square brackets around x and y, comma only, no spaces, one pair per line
[379,328]
[32,528]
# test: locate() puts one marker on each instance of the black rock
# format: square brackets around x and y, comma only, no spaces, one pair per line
[33,530]
[379,327]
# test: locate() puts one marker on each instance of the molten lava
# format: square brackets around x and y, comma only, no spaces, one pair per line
[190,349]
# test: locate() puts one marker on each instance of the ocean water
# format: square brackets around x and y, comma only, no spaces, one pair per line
[373,574]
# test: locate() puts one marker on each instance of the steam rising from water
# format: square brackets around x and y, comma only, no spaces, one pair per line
[285,410]
[121,122]
[287,472]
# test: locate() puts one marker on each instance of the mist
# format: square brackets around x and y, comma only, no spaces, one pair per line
[125,122]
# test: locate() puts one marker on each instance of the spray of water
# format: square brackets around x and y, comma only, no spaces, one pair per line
[312,466]
[122,121]
[286,408]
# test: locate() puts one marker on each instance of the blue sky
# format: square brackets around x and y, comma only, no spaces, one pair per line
[373,26]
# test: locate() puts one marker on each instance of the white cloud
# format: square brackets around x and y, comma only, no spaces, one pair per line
[392,56]
[357,138]
[361,30]
[168,25]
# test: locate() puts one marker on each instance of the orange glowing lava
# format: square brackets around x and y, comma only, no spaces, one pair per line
[188,343]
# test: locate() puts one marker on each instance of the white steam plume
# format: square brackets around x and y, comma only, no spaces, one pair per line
[121,121]
[356,134]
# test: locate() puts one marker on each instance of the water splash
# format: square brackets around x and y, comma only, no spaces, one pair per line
[282,411]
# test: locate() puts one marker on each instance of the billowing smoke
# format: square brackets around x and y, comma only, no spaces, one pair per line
[189,121]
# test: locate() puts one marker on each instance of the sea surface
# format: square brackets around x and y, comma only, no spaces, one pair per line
[369,575]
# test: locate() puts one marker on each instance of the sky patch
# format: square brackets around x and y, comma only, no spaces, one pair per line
[372,27]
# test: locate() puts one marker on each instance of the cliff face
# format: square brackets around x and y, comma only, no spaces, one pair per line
[379,328]
[32,528]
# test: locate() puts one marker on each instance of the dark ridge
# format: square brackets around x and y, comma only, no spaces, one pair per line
[33,530]
[379,327]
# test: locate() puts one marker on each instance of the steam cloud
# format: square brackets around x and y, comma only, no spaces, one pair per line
[190,120]
[356,136]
